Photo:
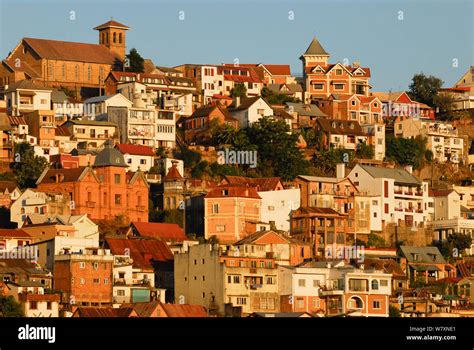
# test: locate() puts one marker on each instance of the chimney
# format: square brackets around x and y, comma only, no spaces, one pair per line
[237,101]
[340,170]
[356,64]
[409,168]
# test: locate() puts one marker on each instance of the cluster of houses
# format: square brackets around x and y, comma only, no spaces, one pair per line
[81,244]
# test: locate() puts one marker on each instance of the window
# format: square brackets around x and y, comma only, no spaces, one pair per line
[83,281]
[142,161]
[318,86]
[118,199]
[114,36]
[120,292]
[376,304]
[236,279]
[48,305]
[33,305]
[95,266]
[63,71]
[120,38]
[375,284]
[383,283]
[89,73]
[316,283]
[241,301]
[316,303]
[220,228]
[338,86]
[353,102]
[215,208]
[82,265]
[117,178]
[271,279]
[301,283]
[96,280]
[338,71]
[300,302]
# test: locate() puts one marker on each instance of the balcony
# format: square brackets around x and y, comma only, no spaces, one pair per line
[419,211]
[419,193]
[408,193]
[398,192]
[120,282]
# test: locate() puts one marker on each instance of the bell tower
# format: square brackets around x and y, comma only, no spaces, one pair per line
[112,35]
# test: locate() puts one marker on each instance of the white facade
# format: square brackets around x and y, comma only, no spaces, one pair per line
[135,161]
[277,205]
[98,105]
[257,110]
[400,203]
[27,100]
[211,83]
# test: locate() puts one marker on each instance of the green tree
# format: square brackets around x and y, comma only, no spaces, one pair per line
[454,246]
[277,153]
[325,161]
[134,62]
[239,90]
[445,105]
[424,88]
[190,158]
[276,99]
[9,307]
[365,151]
[27,166]
[393,311]
[376,241]
[406,151]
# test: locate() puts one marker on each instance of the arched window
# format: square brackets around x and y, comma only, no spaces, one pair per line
[106,38]
[120,38]
[36,210]
[63,71]
[22,210]
[355,303]
[115,38]
[89,73]
[103,38]
[76,72]
[375,284]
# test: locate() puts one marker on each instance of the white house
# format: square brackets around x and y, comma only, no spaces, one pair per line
[276,207]
[34,301]
[99,105]
[404,199]
[137,156]
[248,110]
[25,96]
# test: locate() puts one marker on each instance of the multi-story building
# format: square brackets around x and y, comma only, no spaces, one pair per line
[341,134]
[404,199]
[137,157]
[332,288]
[79,66]
[442,137]
[102,191]
[34,301]
[323,79]
[399,104]
[85,279]
[25,96]
[211,276]
[91,134]
[11,239]
[231,213]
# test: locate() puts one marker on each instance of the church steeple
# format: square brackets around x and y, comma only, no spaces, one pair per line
[112,35]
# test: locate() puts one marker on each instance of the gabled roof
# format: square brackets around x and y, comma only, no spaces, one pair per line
[104,312]
[399,175]
[184,310]
[303,109]
[173,174]
[143,309]
[425,254]
[24,67]
[260,184]
[341,127]
[136,150]
[103,98]
[277,69]
[13,233]
[259,238]
[315,49]
[386,265]
[280,88]
[233,191]
[72,51]
[9,186]
[16,121]
[144,252]
[207,110]
[246,103]
[161,231]
[66,175]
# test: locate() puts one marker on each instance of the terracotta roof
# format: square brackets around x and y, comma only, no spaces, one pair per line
[70,175]
[341,127]
[278,69]
[112,23]
[144,252]
[261,184]
[24,67]
[233,191]
[143,309]
[105,312]
[7,185]
[245,103]
[72,51]
[254,237]
[315,210]
[13,233]
[137,150]
[173,174]
[161,231]
[387,265]
[39,297]
[62,131]
[184,310]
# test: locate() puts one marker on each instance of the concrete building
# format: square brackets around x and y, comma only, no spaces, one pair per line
[25,96]
[214,277]
[34,301]
[137,157]
[249,110]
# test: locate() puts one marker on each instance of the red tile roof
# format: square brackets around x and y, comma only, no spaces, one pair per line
[278,69]
[144,252]
[233,191]
[184,310]
[261,184]
[161,231]
[440,193]
[13,233]
[136,150]
[70,175]
[72,51]
[105,312]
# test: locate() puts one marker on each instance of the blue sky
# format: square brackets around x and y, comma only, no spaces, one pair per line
[431,35]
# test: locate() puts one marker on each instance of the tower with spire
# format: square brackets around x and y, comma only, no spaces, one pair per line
[314,55]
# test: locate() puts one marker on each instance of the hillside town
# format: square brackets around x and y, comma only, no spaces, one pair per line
[229,189]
